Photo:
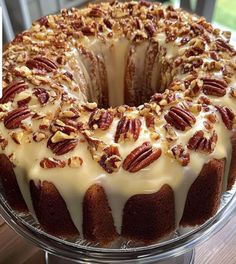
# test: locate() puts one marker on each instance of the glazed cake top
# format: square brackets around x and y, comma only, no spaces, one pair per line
[57,73]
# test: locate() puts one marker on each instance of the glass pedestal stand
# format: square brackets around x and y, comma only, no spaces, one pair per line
[186,258]
[177,249]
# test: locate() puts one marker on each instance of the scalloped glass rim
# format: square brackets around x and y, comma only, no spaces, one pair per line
[173,247]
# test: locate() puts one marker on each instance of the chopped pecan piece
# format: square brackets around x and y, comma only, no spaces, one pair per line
[107,156]
[214,86]
[110,161]
[17,137]
[199,142]
[227,116]
[141,157]
[39,136]
[41,64]
[11,90]
[75,162]
[179,118]
[170,133]
[96,12]
[3,142]
[67,127]
[128,128]
[14,118]
[42,95]
[150,120]
[181,155]
[50,163]
[62,146]
[100,118]
[43,21]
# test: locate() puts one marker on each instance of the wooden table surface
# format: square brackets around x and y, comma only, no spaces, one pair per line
[220,249]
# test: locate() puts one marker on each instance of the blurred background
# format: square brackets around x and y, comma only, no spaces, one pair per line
[19,14]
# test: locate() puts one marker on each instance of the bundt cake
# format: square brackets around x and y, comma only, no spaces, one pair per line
[118,119]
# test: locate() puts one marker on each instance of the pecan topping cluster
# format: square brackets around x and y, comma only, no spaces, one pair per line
[179,118]
[141,157]
[181,155]
[110,161]
[107,156]
[128,128]
[100,118]
[61,143]
[199,142]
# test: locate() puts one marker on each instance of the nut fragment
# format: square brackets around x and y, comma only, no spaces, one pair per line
[141,157]
[75,162]
[50,163]
[181,155]
[100,118]
[42,95]
[39,136]
[3,142]
[170,133]
[17,137]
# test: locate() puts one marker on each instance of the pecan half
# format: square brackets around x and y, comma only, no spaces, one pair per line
[223,45]
[214,86]
[14,118]
[110,161]
[141,157]
[11,90]
[100,118]
[41,64]
[128,128]
[42,95]
[62,147]
[50,163]
[181,155]
[199,142]
[179,118]
[227,116]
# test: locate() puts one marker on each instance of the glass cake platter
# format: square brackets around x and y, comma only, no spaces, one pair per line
[177,249]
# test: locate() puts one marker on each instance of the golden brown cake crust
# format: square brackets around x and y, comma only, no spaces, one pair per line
[98,223]
[232,171]
[10,185]
[149,217]
[51,210]
[204,195]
